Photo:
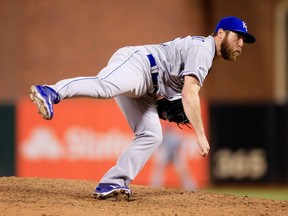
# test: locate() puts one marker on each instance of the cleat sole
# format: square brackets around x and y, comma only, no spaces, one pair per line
[116,195]
[40,103]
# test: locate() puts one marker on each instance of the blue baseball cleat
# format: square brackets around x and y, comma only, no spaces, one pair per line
[112,192]
[44,97]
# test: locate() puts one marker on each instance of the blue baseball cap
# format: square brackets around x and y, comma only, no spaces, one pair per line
[236,25]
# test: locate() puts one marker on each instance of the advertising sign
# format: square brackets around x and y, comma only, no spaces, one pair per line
[249,143]
[84,140]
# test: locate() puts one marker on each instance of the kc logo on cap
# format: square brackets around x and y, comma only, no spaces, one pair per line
[245,26]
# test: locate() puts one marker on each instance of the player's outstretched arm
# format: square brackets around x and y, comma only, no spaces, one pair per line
[192,108]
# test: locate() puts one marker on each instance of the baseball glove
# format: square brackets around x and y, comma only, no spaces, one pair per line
[172,111]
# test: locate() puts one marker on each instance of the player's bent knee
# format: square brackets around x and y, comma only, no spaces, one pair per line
[156,138]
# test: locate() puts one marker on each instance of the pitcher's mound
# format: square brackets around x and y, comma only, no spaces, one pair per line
[47,197]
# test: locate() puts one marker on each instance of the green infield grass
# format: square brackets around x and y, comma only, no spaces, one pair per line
[273,193]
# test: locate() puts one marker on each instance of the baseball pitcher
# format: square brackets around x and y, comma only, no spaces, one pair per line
[150,82]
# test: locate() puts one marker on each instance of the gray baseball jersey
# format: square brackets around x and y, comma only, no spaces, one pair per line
[127,78]
[180,57]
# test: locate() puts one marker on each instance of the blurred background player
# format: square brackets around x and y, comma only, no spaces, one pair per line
[172,151]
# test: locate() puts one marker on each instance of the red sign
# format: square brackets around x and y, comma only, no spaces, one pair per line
[84,140]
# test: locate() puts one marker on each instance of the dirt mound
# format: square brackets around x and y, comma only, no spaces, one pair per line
[47,197]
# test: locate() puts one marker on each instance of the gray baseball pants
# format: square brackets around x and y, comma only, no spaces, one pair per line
[127,79]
